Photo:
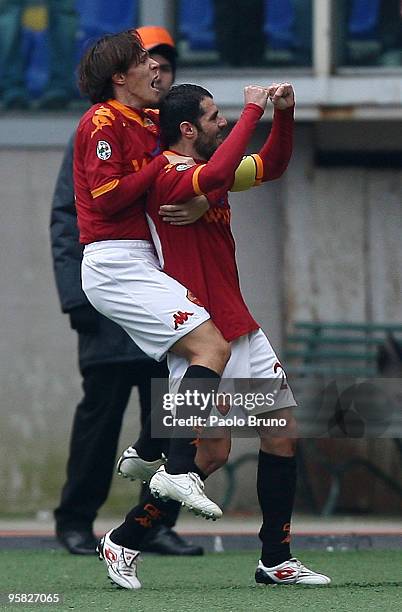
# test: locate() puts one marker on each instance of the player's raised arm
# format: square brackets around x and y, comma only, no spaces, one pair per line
[272,160]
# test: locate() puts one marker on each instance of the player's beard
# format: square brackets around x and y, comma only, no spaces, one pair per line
[205,146]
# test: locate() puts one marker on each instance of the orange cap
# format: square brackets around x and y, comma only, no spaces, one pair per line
[153,36]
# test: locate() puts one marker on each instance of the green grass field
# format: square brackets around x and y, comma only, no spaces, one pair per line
[362,580]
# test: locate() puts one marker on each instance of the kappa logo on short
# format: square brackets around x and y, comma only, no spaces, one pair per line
[103,150]
[180,317]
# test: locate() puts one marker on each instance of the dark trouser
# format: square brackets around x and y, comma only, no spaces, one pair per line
[95,434]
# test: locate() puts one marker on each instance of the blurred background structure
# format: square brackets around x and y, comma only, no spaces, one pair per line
[326,238]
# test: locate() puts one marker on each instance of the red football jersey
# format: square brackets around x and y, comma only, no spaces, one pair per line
[113,142]
[201,256]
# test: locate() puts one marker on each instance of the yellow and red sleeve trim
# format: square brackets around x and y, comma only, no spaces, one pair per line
[259,169]
[104,188]
[196,184]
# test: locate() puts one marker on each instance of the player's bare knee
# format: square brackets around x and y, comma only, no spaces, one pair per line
[279,439]
[214,462]
[212,454]
[222,353]
[213,354]
[220,457]
[204,346]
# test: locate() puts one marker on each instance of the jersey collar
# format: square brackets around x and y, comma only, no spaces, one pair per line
[139,116]
[178,158]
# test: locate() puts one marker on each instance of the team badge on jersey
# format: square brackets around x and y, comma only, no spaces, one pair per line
[103,150]
[181,167]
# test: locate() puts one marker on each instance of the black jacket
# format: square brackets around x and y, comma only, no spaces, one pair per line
[110,343]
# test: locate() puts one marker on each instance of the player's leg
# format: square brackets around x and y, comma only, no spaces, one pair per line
[213,453]
[277,471]
[182,477]
[276,486]
[206,354]
[120,547]
[93,444]
[125,283]
[143,458]
[276,489]
[148,514]
[162,539]
[202,345]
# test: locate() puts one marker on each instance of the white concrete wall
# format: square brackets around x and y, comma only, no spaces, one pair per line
[342,239]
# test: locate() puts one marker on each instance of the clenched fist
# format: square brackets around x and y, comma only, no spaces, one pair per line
[256,95]
[282,95]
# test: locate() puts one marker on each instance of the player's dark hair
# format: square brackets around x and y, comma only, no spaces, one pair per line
[183,103]
[110,54]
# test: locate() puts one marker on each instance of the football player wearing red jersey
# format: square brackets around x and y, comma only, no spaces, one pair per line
[116,159]
[203,257]
[110,365]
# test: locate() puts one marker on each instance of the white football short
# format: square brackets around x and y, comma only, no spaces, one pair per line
[124,281]
[252,357]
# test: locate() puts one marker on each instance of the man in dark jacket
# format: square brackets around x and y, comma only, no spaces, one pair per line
[110,364]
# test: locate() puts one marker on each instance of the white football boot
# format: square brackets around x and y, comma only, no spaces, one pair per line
[185,488]
[289,572]
[121,562]
[130,465]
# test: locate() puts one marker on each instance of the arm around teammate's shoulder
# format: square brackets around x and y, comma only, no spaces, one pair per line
[124,192]
[101,166]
